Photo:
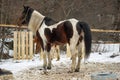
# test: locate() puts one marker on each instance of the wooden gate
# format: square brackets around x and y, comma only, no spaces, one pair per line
[23,45]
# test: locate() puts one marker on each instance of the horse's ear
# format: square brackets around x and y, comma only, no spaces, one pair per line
[24,6]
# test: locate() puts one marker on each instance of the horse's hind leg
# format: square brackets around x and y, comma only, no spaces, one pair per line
[81,53]
[48,48]
[44,60]
[72,49]
[58,52]
[49,61]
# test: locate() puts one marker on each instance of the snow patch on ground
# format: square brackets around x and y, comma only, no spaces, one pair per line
[101,56]
[21,65]
[104,57]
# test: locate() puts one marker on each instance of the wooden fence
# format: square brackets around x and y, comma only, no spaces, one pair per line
[23,41]
[25,27]
[23,45]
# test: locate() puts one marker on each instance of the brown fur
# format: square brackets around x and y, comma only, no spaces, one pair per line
[38,47]
[61,34]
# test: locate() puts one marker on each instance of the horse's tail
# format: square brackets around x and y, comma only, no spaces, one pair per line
[87,38]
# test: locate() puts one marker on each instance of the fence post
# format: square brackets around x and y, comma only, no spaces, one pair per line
[30,44]
[15,45]
[23,44]
[26,45]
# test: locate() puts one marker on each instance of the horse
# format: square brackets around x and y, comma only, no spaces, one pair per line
[72,31]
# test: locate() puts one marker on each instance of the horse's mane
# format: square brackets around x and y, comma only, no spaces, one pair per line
[49,21]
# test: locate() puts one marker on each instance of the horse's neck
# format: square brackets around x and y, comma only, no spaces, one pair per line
[35,21]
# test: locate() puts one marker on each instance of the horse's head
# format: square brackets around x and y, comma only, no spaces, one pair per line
[25,16]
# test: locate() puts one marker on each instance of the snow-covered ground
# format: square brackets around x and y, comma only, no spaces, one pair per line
[19,65]
[16,66]
[105,57]
[100,57]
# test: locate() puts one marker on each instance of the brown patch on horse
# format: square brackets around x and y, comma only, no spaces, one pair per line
[61,34]
[48,34]
[68,28]
[48,47]
[38,45]
[39,39]
[80,40]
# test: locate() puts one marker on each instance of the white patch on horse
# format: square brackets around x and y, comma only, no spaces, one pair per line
[35,21]
[56,25]
[74,39]
[41,32]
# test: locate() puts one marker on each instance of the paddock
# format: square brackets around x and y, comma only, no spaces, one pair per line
[105,52]
[57,22]
[32,69]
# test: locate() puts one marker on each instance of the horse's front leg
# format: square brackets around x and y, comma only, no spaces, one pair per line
[45,56]
[48,48]
[44,61]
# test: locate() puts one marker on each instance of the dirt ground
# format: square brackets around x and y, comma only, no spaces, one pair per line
[61,72]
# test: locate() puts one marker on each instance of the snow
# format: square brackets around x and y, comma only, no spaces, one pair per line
[16,66]
[19,65]
[104,57]
[101,57]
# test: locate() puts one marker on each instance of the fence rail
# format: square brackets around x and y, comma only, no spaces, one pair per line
[12,26]
[101,30]
[23,45]
[24,27]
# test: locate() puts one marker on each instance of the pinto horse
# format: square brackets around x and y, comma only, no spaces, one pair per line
[77,34]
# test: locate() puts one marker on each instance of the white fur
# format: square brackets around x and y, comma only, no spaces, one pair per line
[35,21]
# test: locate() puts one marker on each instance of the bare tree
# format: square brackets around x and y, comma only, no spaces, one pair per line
[116,24]
[4,32]
[67,9]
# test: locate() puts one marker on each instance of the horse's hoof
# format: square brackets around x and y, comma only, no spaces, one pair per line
[40,69]
[77,70]
[49,67]
[58,59]
[44,67]
[45,72]
[70,71]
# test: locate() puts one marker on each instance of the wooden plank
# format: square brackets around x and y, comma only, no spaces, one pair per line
[8,25]
[26,41]
[30,45]
[101,30]
[12,26]
[15,45]
[19,48]
[25,27]
[23,44]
